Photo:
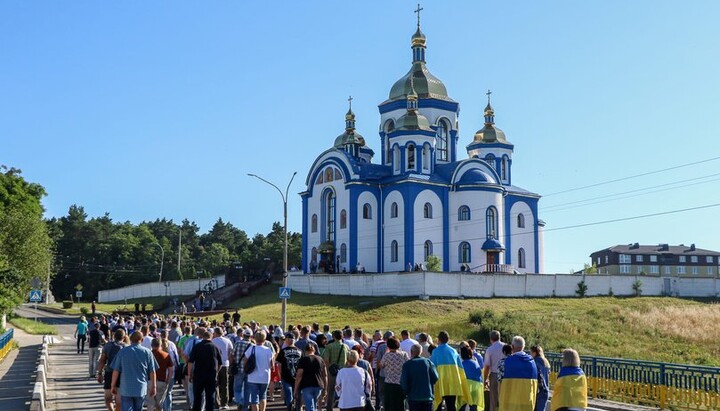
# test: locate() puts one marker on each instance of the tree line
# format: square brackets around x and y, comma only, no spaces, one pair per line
[93,253]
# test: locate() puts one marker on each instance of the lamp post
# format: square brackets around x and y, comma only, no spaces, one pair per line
[162,257]
[283,316]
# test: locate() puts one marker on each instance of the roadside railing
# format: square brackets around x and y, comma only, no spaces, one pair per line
[665,385]
[6,342]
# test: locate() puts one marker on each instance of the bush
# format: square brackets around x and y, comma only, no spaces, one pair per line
[582,288]
[433,263]
[67,304]
[637,288]
[84,311]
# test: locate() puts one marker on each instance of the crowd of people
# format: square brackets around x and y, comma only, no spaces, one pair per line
[224,363]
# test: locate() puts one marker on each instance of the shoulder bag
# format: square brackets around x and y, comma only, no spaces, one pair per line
[334,367]
[250,364]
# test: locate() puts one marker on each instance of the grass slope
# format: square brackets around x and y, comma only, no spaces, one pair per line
[649,328]
[33,327]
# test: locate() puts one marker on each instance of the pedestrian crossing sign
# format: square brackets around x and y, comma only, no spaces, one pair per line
[284,292]
[35,296]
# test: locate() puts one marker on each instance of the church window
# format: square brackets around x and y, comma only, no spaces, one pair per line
[491,222]
[338,175]
[328,175]
[464,213]
[503,168]
[521,220]
[396,158]
[393,210]
[343,253]
[464,252]
[427,210]
[490,160]
[426,157]
[343,219]
[394,251]
[411,156]
[521,258]
[313,254]
[389,126]
[367,211]
[442,141]
[313,223]
[330,215]
[428,249]
[319,179]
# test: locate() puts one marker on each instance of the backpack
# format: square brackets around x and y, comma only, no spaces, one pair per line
[116,347]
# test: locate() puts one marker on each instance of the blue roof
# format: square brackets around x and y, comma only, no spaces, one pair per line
[492,244]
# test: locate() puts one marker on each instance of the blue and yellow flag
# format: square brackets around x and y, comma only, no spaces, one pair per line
[476,389]
[570,389]
[519,383]
[452,379]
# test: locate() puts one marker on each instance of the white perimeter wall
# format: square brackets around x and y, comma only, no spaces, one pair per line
[187,287]
[493,285]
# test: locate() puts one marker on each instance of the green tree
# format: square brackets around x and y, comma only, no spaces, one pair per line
[434,263]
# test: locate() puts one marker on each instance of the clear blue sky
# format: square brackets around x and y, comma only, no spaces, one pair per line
[148,110]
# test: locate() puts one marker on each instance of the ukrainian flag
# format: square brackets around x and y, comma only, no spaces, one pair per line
[473,374]
[452,379]
[570,390]
[519,383]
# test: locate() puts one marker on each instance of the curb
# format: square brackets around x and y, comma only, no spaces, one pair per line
[39,393]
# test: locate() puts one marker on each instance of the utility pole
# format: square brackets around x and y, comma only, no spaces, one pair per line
[179,253]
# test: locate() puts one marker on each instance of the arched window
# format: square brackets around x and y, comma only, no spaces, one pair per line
[313,223]
[426,157]
[393,251]
[521,220]
[428,249]
[343,253]
[396,158]
[464,252]
[328,175]
[503,168]
[367,212]
[319,179]
[313,254]
[343,219]
[442,141]
[427,210]
[393,210]
[338,174]
[464,213]
[411,157]
[521,258]
[490,160]
[491,222]
[330,215]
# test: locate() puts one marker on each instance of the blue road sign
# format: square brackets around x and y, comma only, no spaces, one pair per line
[284,292]
[35,296]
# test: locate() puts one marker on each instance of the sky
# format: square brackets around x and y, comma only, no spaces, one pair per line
[151,110]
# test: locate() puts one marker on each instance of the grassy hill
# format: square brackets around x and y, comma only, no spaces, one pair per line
[649,328]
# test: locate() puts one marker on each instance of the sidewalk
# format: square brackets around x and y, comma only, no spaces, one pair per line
[17,372]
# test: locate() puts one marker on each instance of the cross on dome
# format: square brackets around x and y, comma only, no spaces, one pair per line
[418,10]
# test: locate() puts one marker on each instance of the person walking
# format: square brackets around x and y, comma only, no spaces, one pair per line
[473,374]
[493,355]
[95,343]
[353,384]
[288,359]
[104,372]
[225,346]
[240,381]
[519,381]
[164,376]
[204,364]
[311,378]
[81,334]
[335,356]
[134,370]
[452,382]
[418,380]
[406,343]
[543,367]
[259,379]
[570,390]
[392,363]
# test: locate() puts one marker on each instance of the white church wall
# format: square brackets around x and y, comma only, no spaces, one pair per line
[427,228]
[394,230]
[472,231]
[522,237]
[367,232]
[314,238]
[432,284]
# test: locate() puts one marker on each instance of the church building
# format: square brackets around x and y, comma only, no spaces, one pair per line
[423,197]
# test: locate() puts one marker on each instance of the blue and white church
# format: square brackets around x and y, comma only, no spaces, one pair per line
[424,197]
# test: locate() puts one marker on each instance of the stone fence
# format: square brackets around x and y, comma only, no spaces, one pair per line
[432,284]
[158,289]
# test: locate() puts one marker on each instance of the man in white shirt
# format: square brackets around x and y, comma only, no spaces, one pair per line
[225,346]
[147,338]
[407,342]
[493,355]
[348,338]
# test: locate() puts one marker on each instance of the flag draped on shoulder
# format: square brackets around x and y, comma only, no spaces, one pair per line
[452,379]
[570,390]
[476,388]
[519,383]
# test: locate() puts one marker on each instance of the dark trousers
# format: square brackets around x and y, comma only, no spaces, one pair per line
[204,386]
[231,385]
[222,386]
[81,342]
[331,393]
[449,401]
[420,405]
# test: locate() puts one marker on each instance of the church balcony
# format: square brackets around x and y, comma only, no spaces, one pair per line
[495,268]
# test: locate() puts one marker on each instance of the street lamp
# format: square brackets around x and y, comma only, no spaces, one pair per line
[283,317]
[162,257]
